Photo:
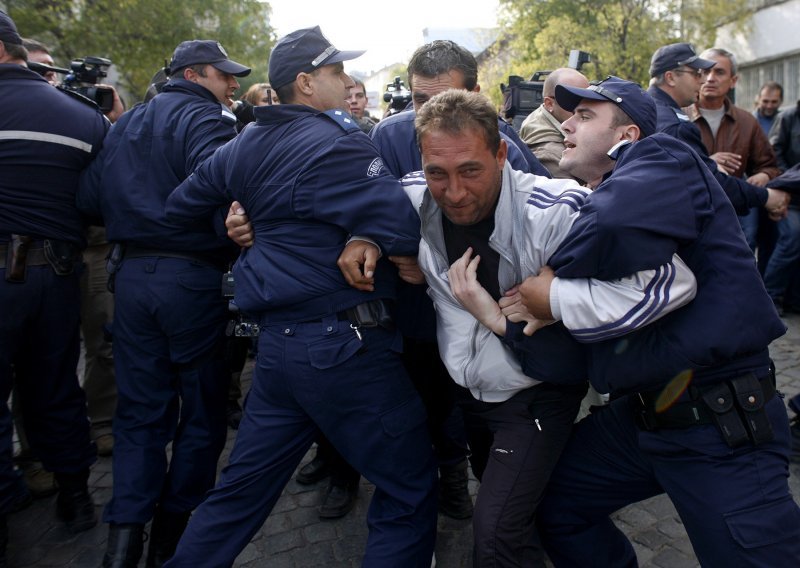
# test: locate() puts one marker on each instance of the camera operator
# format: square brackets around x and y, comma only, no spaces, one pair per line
[170,316]
[48,138]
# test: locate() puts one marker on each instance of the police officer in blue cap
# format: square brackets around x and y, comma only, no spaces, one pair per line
[47,138]
[677,73]
[694,411]
[328,353]
[170,316]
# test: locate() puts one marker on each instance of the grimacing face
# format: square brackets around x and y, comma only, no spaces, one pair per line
[330,87]
[589,135]
[463,174]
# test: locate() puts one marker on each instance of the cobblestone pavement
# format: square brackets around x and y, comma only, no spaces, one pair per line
[294,536]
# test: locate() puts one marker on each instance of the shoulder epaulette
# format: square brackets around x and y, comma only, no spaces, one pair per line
[227,115]
[682,116]
[343,119]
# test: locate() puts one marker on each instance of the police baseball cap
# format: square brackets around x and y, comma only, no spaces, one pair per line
[303,51]
[627,95]
[676,55]
[8,30]
[206,51]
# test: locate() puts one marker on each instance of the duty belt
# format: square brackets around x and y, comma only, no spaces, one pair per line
[735,406]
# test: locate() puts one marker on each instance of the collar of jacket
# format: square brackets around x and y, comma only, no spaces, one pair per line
[662,97]
[693,111]
[17,71]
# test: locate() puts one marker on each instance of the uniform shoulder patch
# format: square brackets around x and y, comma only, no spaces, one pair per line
[342,119]
[682,116]
[375,168]
[227,115]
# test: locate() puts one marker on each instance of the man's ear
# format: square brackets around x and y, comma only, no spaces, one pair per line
[548,103]
[502,153]
[734,80]
[302,84]
[631,133]
[477,88]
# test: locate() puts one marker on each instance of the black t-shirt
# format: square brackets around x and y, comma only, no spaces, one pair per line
[457,238]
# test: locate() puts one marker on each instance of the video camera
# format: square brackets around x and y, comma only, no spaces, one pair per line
[397,96]
[239,325]
[82,78]
[521,97]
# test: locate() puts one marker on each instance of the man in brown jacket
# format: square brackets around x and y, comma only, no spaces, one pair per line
[732,136]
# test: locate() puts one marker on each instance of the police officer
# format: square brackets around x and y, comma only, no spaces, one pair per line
[677,74]
[694,411]
[170,316]
[328,354]
[48,138]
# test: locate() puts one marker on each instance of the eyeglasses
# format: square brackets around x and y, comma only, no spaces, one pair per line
[696,72]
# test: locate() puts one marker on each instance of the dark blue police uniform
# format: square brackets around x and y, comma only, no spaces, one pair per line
[170,317]
[730,489]
[47,138]
[673,121]
[308,180]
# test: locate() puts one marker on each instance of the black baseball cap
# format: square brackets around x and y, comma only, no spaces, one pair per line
[674,55]
[8,30]
[627,95]
[303,51]
[205,51]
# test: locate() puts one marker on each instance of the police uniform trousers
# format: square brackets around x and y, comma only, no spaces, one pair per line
[319,376]
[529,430]
[172,386]
[39,344]
[734,503]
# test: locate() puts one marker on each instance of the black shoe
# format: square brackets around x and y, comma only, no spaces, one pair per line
[454,499]
[74,505]
[125,545]
[339,500]
[165,532]
[234,414]
[315,470]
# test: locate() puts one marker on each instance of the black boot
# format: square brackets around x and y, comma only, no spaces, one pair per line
[315,470]
[125,544]
[165,532]
[340,498]
[454,499]
[74,505]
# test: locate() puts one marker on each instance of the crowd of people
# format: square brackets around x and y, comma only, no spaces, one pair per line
[580,312]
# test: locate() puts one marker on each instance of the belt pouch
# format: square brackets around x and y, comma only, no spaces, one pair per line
[16,258]
[751,399]
[61,256]
[720,401]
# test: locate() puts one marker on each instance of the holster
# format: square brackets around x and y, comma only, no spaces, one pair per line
[62,256]
[16,258]
[113,263]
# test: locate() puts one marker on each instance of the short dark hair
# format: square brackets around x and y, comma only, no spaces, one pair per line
[32,45]
[771,86]
[16,50]
[456,111]
[441,56]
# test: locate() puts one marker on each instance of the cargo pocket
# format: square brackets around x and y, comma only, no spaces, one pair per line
[405,418]
[766,525]
[333,351]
